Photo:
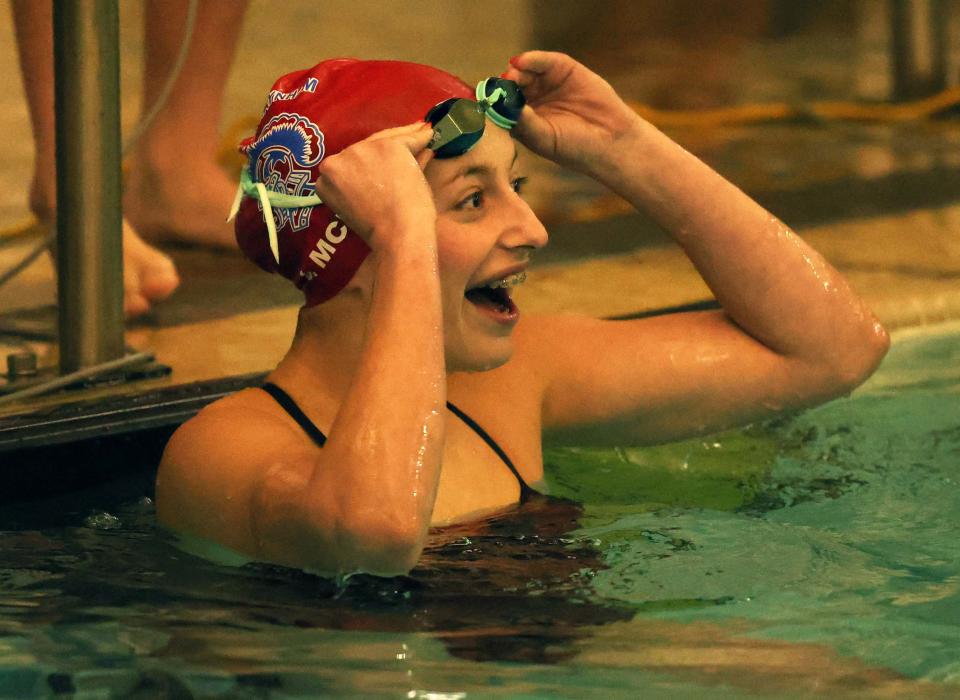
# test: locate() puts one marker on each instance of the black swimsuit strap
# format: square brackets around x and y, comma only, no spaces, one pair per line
[525,491]
[291,407]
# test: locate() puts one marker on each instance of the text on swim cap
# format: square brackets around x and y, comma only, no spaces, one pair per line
[277,95]
[326,246]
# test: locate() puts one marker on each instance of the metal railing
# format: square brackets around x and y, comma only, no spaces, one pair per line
[918,47]
[89,219]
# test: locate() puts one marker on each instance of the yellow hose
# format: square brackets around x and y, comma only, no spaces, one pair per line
[822,111]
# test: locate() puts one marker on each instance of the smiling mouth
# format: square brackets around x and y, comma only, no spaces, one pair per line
[494,297]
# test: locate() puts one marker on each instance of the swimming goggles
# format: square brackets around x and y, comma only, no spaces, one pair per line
[458,124]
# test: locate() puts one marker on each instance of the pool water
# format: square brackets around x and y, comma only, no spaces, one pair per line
[817,554]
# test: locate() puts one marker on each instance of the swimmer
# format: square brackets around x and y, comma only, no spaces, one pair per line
[415,393]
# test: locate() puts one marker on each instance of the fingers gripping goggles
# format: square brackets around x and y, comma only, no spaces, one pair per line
[458,125]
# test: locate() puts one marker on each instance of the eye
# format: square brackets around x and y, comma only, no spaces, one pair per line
[473,201]
[519,185]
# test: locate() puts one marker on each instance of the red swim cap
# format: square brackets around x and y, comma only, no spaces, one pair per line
[312,114]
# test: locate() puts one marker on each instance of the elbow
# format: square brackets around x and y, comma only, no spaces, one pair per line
[328,538]
[879,344]
[859,359]
[382,544]
[400,562]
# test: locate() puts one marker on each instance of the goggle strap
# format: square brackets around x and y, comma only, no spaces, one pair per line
[268,220]
[487,104]
[237,199]
[268,200]
[500,120]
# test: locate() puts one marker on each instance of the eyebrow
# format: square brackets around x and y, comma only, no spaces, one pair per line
[480,169]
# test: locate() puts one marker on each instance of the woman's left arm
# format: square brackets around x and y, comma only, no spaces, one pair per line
[792,331]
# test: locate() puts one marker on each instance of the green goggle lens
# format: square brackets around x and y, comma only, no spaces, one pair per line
[458,123]
[457,126]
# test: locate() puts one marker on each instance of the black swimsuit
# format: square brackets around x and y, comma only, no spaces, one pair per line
[315,434]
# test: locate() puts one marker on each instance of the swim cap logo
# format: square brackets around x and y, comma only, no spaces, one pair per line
[282,157]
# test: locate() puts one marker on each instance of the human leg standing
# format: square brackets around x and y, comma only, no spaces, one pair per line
[170,196]
[149,275]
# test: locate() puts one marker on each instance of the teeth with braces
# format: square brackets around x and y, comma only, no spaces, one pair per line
[511,281]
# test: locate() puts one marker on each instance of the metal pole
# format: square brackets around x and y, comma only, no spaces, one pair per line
[89,253]
[919,45]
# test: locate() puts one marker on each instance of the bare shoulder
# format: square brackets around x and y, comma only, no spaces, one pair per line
[240,425]
[215,462]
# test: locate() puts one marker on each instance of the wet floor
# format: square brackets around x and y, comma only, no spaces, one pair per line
[881,199]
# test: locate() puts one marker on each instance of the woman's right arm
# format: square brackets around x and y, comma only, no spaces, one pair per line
[363,502]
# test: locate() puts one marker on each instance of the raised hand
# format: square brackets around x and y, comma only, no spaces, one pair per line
[377,184]
[573,116]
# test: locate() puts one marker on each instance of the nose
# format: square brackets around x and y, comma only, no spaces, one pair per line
[522,229]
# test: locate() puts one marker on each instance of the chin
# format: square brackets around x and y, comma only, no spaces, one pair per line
[481,356]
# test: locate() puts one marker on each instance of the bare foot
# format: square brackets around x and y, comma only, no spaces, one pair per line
[148,275]
[183,201]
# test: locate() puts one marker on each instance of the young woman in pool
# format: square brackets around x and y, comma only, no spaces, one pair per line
[411,365]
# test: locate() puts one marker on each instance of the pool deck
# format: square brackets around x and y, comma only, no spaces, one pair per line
[880,201]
